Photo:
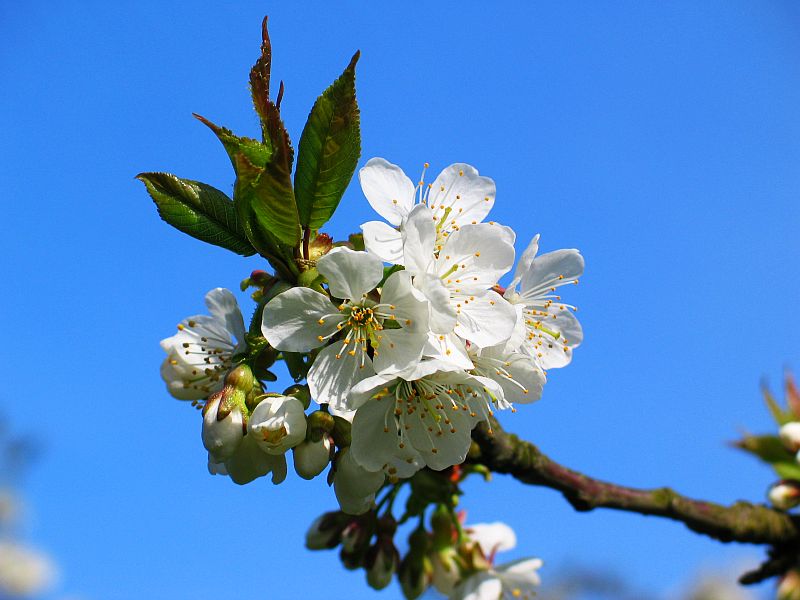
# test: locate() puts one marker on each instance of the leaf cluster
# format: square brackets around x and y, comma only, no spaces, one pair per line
[273,213]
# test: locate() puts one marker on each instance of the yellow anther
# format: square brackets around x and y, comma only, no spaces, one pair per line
[181,327]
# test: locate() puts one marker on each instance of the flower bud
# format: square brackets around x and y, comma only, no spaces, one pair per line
[790,435]
[319,424]
[355,540]
[326,531]
[277,424]
[241,378]
[223,430]
[311,458]
[789,587]
[785,494]
[381,562]
[414,573]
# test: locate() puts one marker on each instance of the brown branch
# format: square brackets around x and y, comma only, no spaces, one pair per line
[740,522]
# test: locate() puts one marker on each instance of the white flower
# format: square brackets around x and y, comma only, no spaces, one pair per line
[516,580]
[23,572]
[459,196]
[355,487]
[221,437]
[277,424]
[311,458]
[456,275]
[401,425]
[551,331]
[785,494]
[302,319]
[200,354]
[511,581]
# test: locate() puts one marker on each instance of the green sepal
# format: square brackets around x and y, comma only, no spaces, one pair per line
[298,364]
[780,415]
[198,210]
[329,149]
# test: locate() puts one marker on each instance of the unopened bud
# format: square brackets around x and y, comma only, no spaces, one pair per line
[785,494]
[221,437]
[414,573]
[444,531]
[789,587]
[311,458]
[277,424]
[326,531]
[381,562]
[241,378]
[320,423]
[790,436]
[355,487]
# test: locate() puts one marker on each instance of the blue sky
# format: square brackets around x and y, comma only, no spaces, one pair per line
[659,138]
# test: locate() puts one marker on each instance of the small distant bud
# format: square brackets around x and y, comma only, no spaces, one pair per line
[326,532]
[444,531]
[311,458]
[381,562]
[790,436]
[414,573]
[221,437]
[789,587]
[300,392]
[785,494]
[320,246]
[320,423]
[277,424]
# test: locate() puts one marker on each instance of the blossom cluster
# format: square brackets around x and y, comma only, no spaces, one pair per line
[406,340]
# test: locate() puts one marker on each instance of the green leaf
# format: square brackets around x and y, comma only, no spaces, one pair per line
[787,470]
[198,209]
[256,153]
[260,77]
[768,448]
[328,151]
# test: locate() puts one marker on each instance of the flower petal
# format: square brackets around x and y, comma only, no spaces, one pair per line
[419,240]
[475,257]
[398,350]
[448,348]
[549,351]
[552,269]
[524,263]
[388,190]
[384,241]
[249,463]
[223,305]
[468,196]
[334,372]
[440,444]
[350,273]
[492,537]
[442,315]
[407,304]
[485,320]
[483,585]
[296,319]
[379,442]
[355,487]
